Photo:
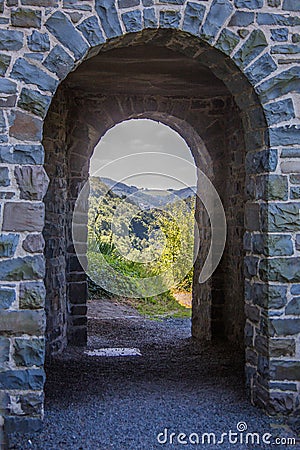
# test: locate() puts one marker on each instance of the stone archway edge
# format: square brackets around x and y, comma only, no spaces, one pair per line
[41,42]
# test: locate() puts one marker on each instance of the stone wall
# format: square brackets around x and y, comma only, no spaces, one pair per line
[253,47]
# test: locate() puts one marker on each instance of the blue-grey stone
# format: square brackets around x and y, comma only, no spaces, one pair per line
[32,403]
[250,266]
[34,102]
[260,69]
[227,41]
[29,352]
[34,56]
[8,244]
[254,45]
[77,5]
[283,270]
[63,29]
[279,111]
[150,19]
[22,322]
[1,6]
[241,19]
[247,242]
[169,19]
[3,127]
[272,245]
[277,19]
[219,11]
[286,49]
[282,369]
[291,5]
[4,177]
[32,295]
[281,217]
[31,74]
[4,63]
[295,37]
[295,192]
[32,379]
[33,243]
[285,135]
[295,179]
[22,425]
[262,161]
[59,62]
[7,86]
[11,40]
[272,187]
[280,84]
[295,289]
[279,34]
[193,17]
[293,307]
[286,327]
[38,42]
[128,3]
[290,153]
[4,347]
[147,3]
[91,31]
[107,13]
[268,296]
[27,268]
[7,297]
[22,154]
[132,21]
[23,216]
[249,4]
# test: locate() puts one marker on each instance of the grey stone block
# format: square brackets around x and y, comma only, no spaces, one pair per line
[32,379]
[34,102]
[26,18]
[22,322]
[26,268]
[293,307]
[279,34]
[262,161]
[59,62]
[291,5]
[4,350]
[285,135]
[32,181]
[279,111]
[11,40]
[91,31]
[193,17]
[8,244]
[280,84]
[21,216]
[282,347]
[107,13]
[241,19]
[219,11]
[4,177]
[260,69]
[14,424]
[254,45]
[4,63]
[63,29]
[150,19]
[29,352]
[169,19]
[272,245]
[249,4]
[227,41]
[24,71]
[132,21]
[38,42]
[284,270]
[7,297]
[32,295]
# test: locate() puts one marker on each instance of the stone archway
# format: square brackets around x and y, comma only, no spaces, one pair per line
[219,36]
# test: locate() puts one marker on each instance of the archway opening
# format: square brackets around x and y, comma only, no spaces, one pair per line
[142,194]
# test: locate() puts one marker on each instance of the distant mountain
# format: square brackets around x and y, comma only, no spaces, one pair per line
[144,198]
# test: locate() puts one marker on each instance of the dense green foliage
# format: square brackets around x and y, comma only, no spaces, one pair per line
[159,243]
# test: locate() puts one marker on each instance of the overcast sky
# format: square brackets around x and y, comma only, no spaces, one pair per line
[116,156]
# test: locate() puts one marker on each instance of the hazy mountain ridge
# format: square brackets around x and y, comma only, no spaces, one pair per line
[146,198]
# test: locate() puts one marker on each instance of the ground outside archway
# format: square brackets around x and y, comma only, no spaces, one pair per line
[247,129]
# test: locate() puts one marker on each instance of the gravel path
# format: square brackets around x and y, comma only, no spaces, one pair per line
[102,403]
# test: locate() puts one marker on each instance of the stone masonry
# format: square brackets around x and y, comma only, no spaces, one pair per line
[241,119]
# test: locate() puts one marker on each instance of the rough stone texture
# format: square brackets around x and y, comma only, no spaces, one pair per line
[23,216]
[32,181]
[32,295]
[26,127]
[34,243]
